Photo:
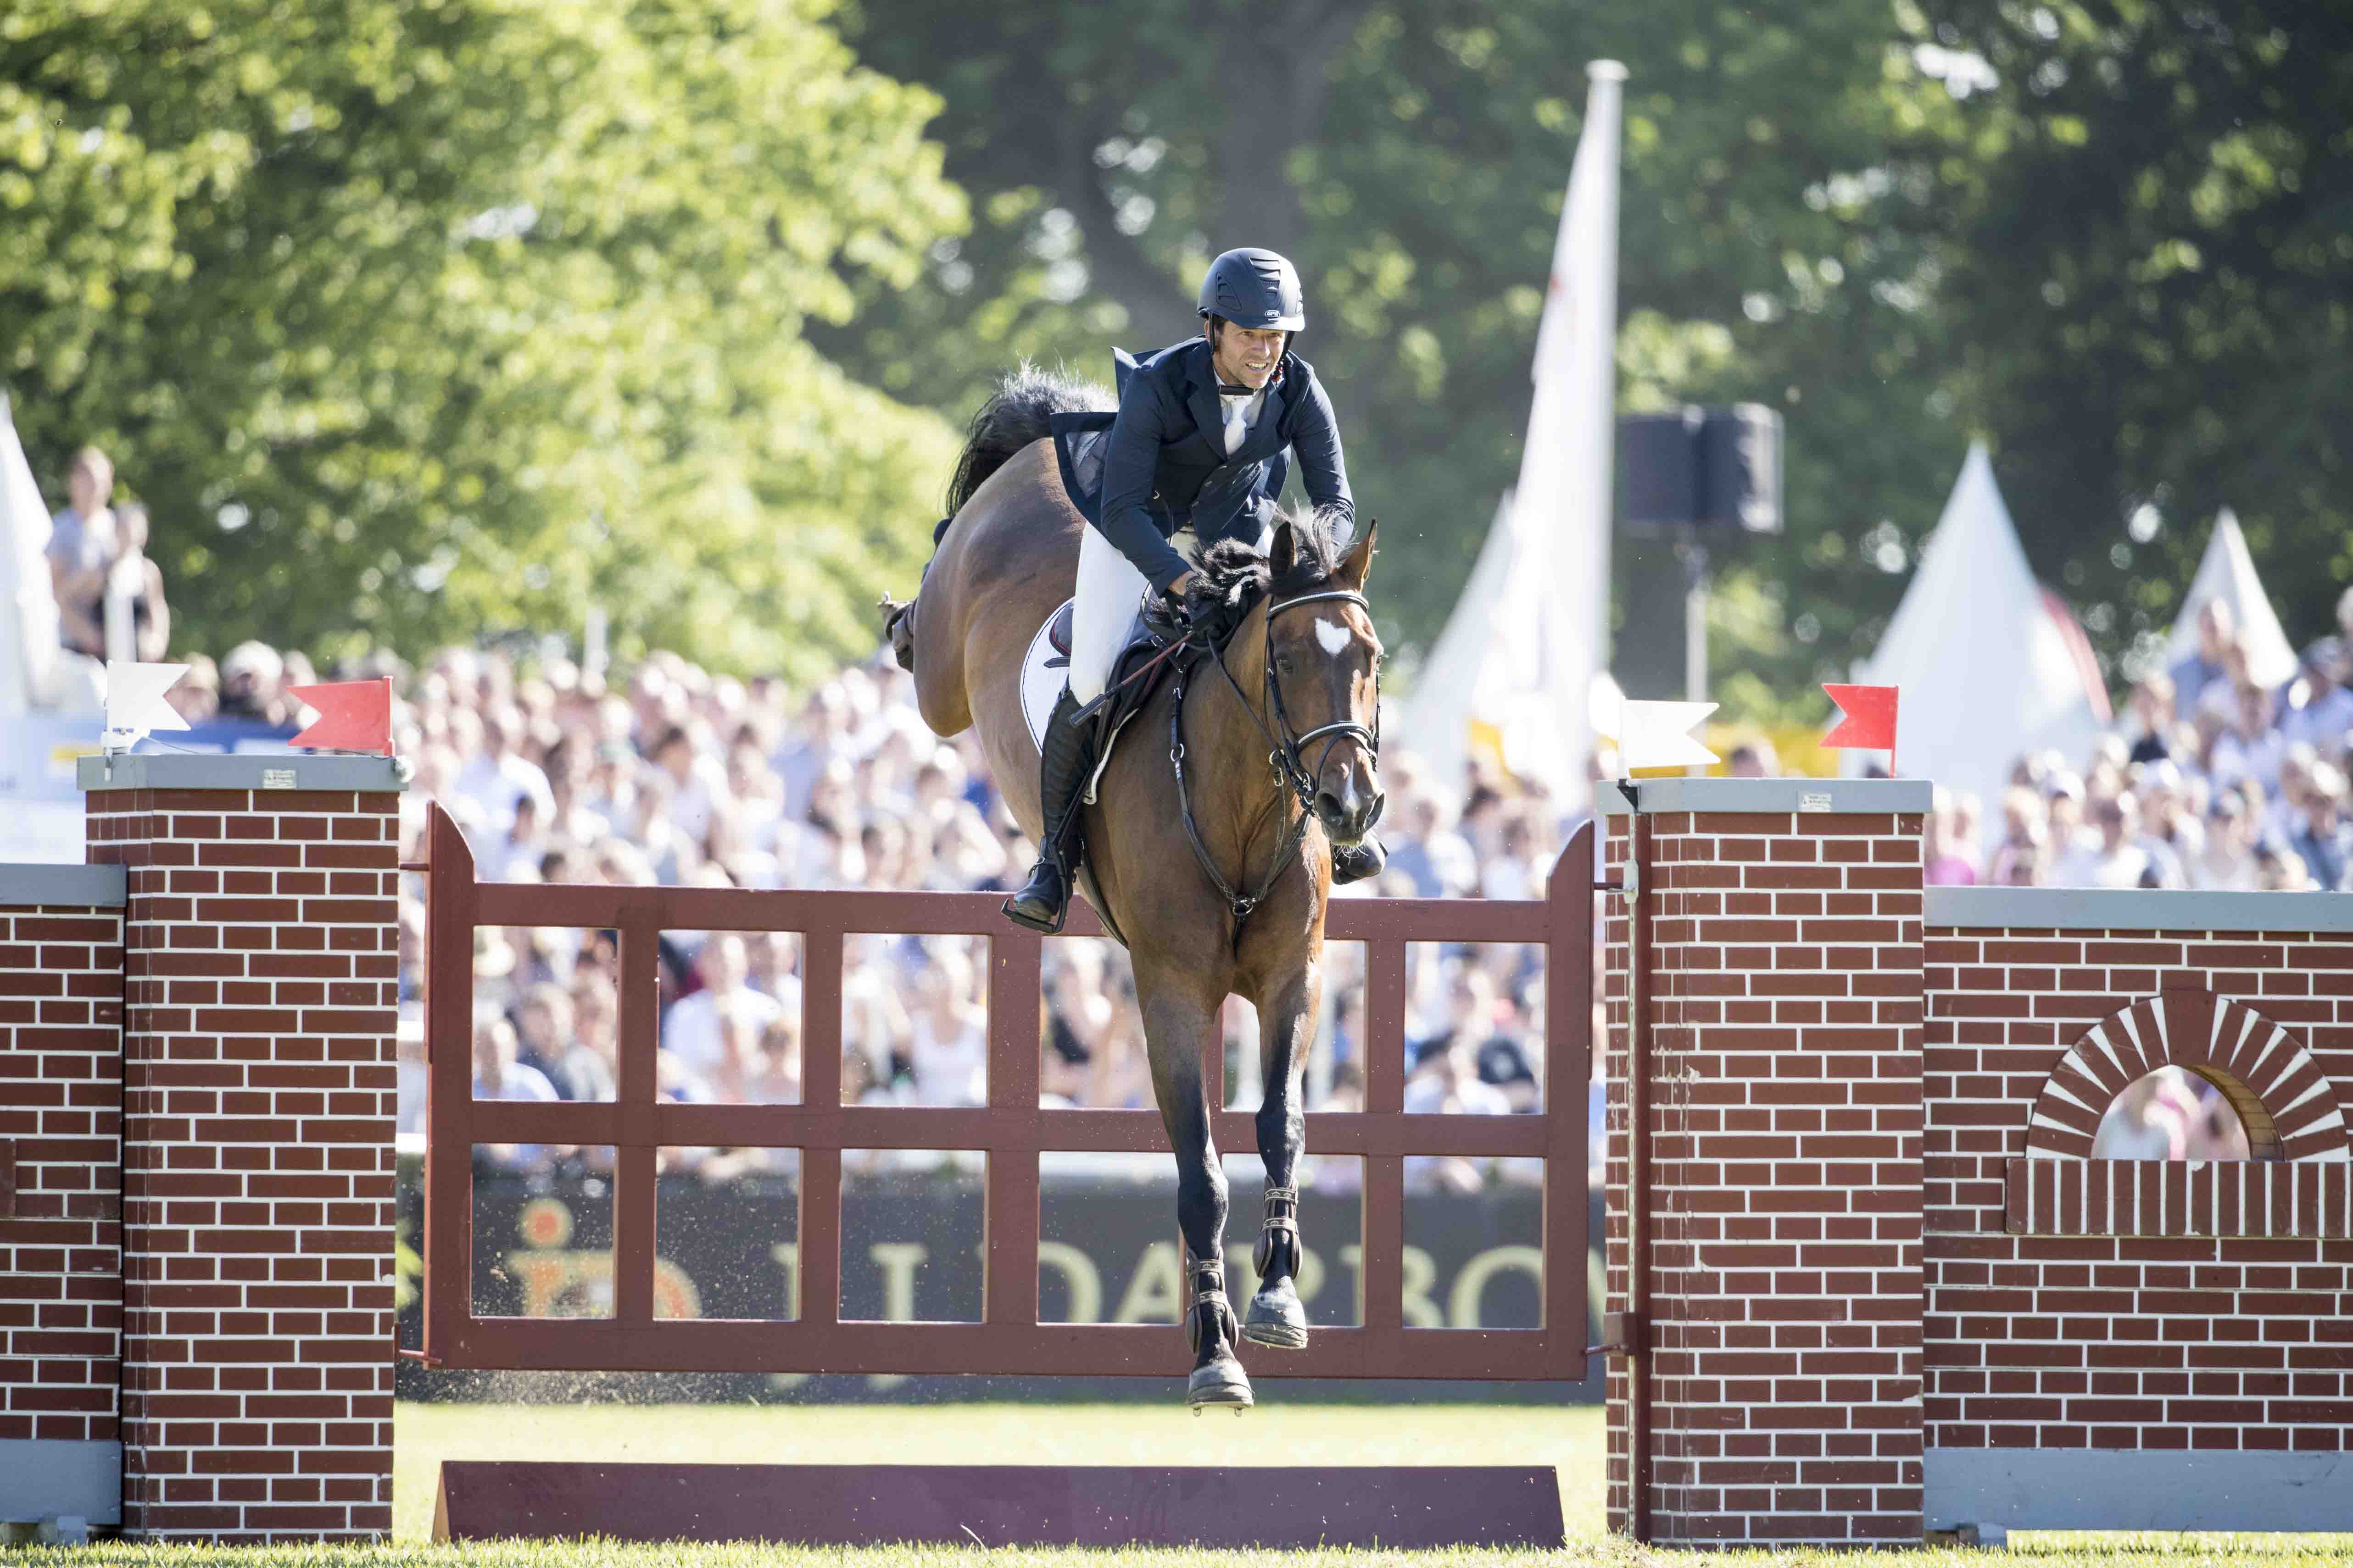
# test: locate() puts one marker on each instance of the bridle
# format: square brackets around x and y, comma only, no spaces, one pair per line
[1285,756]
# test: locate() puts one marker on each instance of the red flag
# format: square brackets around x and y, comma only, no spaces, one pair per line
[353,716]
[1867,720]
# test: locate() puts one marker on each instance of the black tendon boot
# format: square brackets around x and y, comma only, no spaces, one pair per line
[1276,1316]
[1218,1378]
[1065,760]
[1354,863]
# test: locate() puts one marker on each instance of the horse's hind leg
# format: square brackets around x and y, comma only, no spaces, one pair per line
[1286,1027]
[1177,1018]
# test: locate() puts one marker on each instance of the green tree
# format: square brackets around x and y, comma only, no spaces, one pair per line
[412,321]
[2146,259]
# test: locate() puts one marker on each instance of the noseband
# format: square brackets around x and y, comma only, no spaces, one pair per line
[1284,757]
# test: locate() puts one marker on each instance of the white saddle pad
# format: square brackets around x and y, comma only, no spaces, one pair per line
[1045,670]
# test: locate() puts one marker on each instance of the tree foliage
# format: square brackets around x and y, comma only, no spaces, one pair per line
[413,320]
[2148,223]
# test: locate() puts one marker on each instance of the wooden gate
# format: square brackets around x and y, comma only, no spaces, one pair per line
[1012,1130]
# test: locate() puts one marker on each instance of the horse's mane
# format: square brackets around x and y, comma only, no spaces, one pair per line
[1015,415]
[1232,576]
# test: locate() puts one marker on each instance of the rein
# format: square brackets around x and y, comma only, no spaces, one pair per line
[1284,756]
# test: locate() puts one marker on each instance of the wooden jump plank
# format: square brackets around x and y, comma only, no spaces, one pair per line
[1003,1505]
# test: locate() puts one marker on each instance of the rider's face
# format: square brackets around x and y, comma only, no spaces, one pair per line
[1245,356]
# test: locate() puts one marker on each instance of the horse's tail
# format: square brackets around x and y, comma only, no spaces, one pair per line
[1015,415]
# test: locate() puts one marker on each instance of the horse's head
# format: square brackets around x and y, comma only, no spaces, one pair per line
[1324,660]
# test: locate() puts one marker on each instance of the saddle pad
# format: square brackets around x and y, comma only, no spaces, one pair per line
[1045,670]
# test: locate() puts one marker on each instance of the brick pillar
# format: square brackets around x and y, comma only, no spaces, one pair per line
[1783,999]
[60,1192]
[260,978]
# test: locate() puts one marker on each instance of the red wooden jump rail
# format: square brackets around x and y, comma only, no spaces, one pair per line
[1012,1130]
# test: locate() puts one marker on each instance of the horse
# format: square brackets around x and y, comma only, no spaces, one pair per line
[1209,855]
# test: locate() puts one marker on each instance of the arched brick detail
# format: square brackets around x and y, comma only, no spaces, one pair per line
[2289,1108]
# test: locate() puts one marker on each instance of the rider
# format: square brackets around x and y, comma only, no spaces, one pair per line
[1204,436]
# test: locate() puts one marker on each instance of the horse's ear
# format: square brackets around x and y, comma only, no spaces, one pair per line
[1283,553]
[1359,563]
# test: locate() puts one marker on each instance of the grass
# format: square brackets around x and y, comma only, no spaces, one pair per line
[1569,1437]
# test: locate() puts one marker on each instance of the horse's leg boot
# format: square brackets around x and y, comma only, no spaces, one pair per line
[1218,1378]
[1276,1316]
[1357,861]
[1065,759]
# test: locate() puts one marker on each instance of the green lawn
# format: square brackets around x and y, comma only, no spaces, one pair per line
[1566,1436]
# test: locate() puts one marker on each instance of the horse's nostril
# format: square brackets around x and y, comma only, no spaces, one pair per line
[1328,806]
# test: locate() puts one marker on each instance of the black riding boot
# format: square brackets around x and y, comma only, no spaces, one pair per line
[1066,757]
[1364,858]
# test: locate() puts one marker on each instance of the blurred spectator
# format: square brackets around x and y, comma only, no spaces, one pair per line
[1952,839]
[2226,863]
[253,684]
[2152,710]
[2111,860]
[2217,633]
[83,544]
[195,696]
[2250,748]
[497,1072]
[693,1028]
[2320,708]
[2323,838]
[1753,760]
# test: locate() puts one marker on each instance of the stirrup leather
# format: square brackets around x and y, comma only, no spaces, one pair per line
[1279,1229]
[1206,1276]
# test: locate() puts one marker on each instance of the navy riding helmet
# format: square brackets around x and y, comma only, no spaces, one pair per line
[1254,288]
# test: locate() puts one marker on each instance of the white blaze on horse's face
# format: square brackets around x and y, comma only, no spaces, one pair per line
[1333,638]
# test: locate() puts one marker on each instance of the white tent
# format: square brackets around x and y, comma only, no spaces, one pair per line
[1988,665]
[2228,574]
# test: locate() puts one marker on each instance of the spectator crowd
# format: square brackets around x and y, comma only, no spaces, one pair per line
[2213,780]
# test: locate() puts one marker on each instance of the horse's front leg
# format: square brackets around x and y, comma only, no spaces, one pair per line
[1179,1018]
[1286,1016]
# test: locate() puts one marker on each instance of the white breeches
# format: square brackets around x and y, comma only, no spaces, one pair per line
[1111,592]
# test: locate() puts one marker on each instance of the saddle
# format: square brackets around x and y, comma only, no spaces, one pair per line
[1156,651]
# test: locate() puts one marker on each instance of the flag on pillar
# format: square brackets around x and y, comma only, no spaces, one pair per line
[1657,735]
[353,716]
[1866,722]
[135,701]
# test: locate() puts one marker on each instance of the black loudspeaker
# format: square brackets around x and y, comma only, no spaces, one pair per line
[1700,472]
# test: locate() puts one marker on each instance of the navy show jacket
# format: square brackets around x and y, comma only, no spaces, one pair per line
[1167,466]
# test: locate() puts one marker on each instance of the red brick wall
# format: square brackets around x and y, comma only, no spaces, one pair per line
[2119,1342]
[60,1115]
[1784,1000]
[257,1188]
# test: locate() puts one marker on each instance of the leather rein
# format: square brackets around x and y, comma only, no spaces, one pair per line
[1284,758]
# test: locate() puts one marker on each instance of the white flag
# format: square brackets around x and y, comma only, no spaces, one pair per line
[1548,636]
[135,701]
[1657,735]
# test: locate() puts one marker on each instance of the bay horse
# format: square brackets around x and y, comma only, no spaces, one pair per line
[1209,849]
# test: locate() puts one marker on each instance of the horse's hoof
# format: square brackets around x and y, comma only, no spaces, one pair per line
[1221,1383]
[1276,1317]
